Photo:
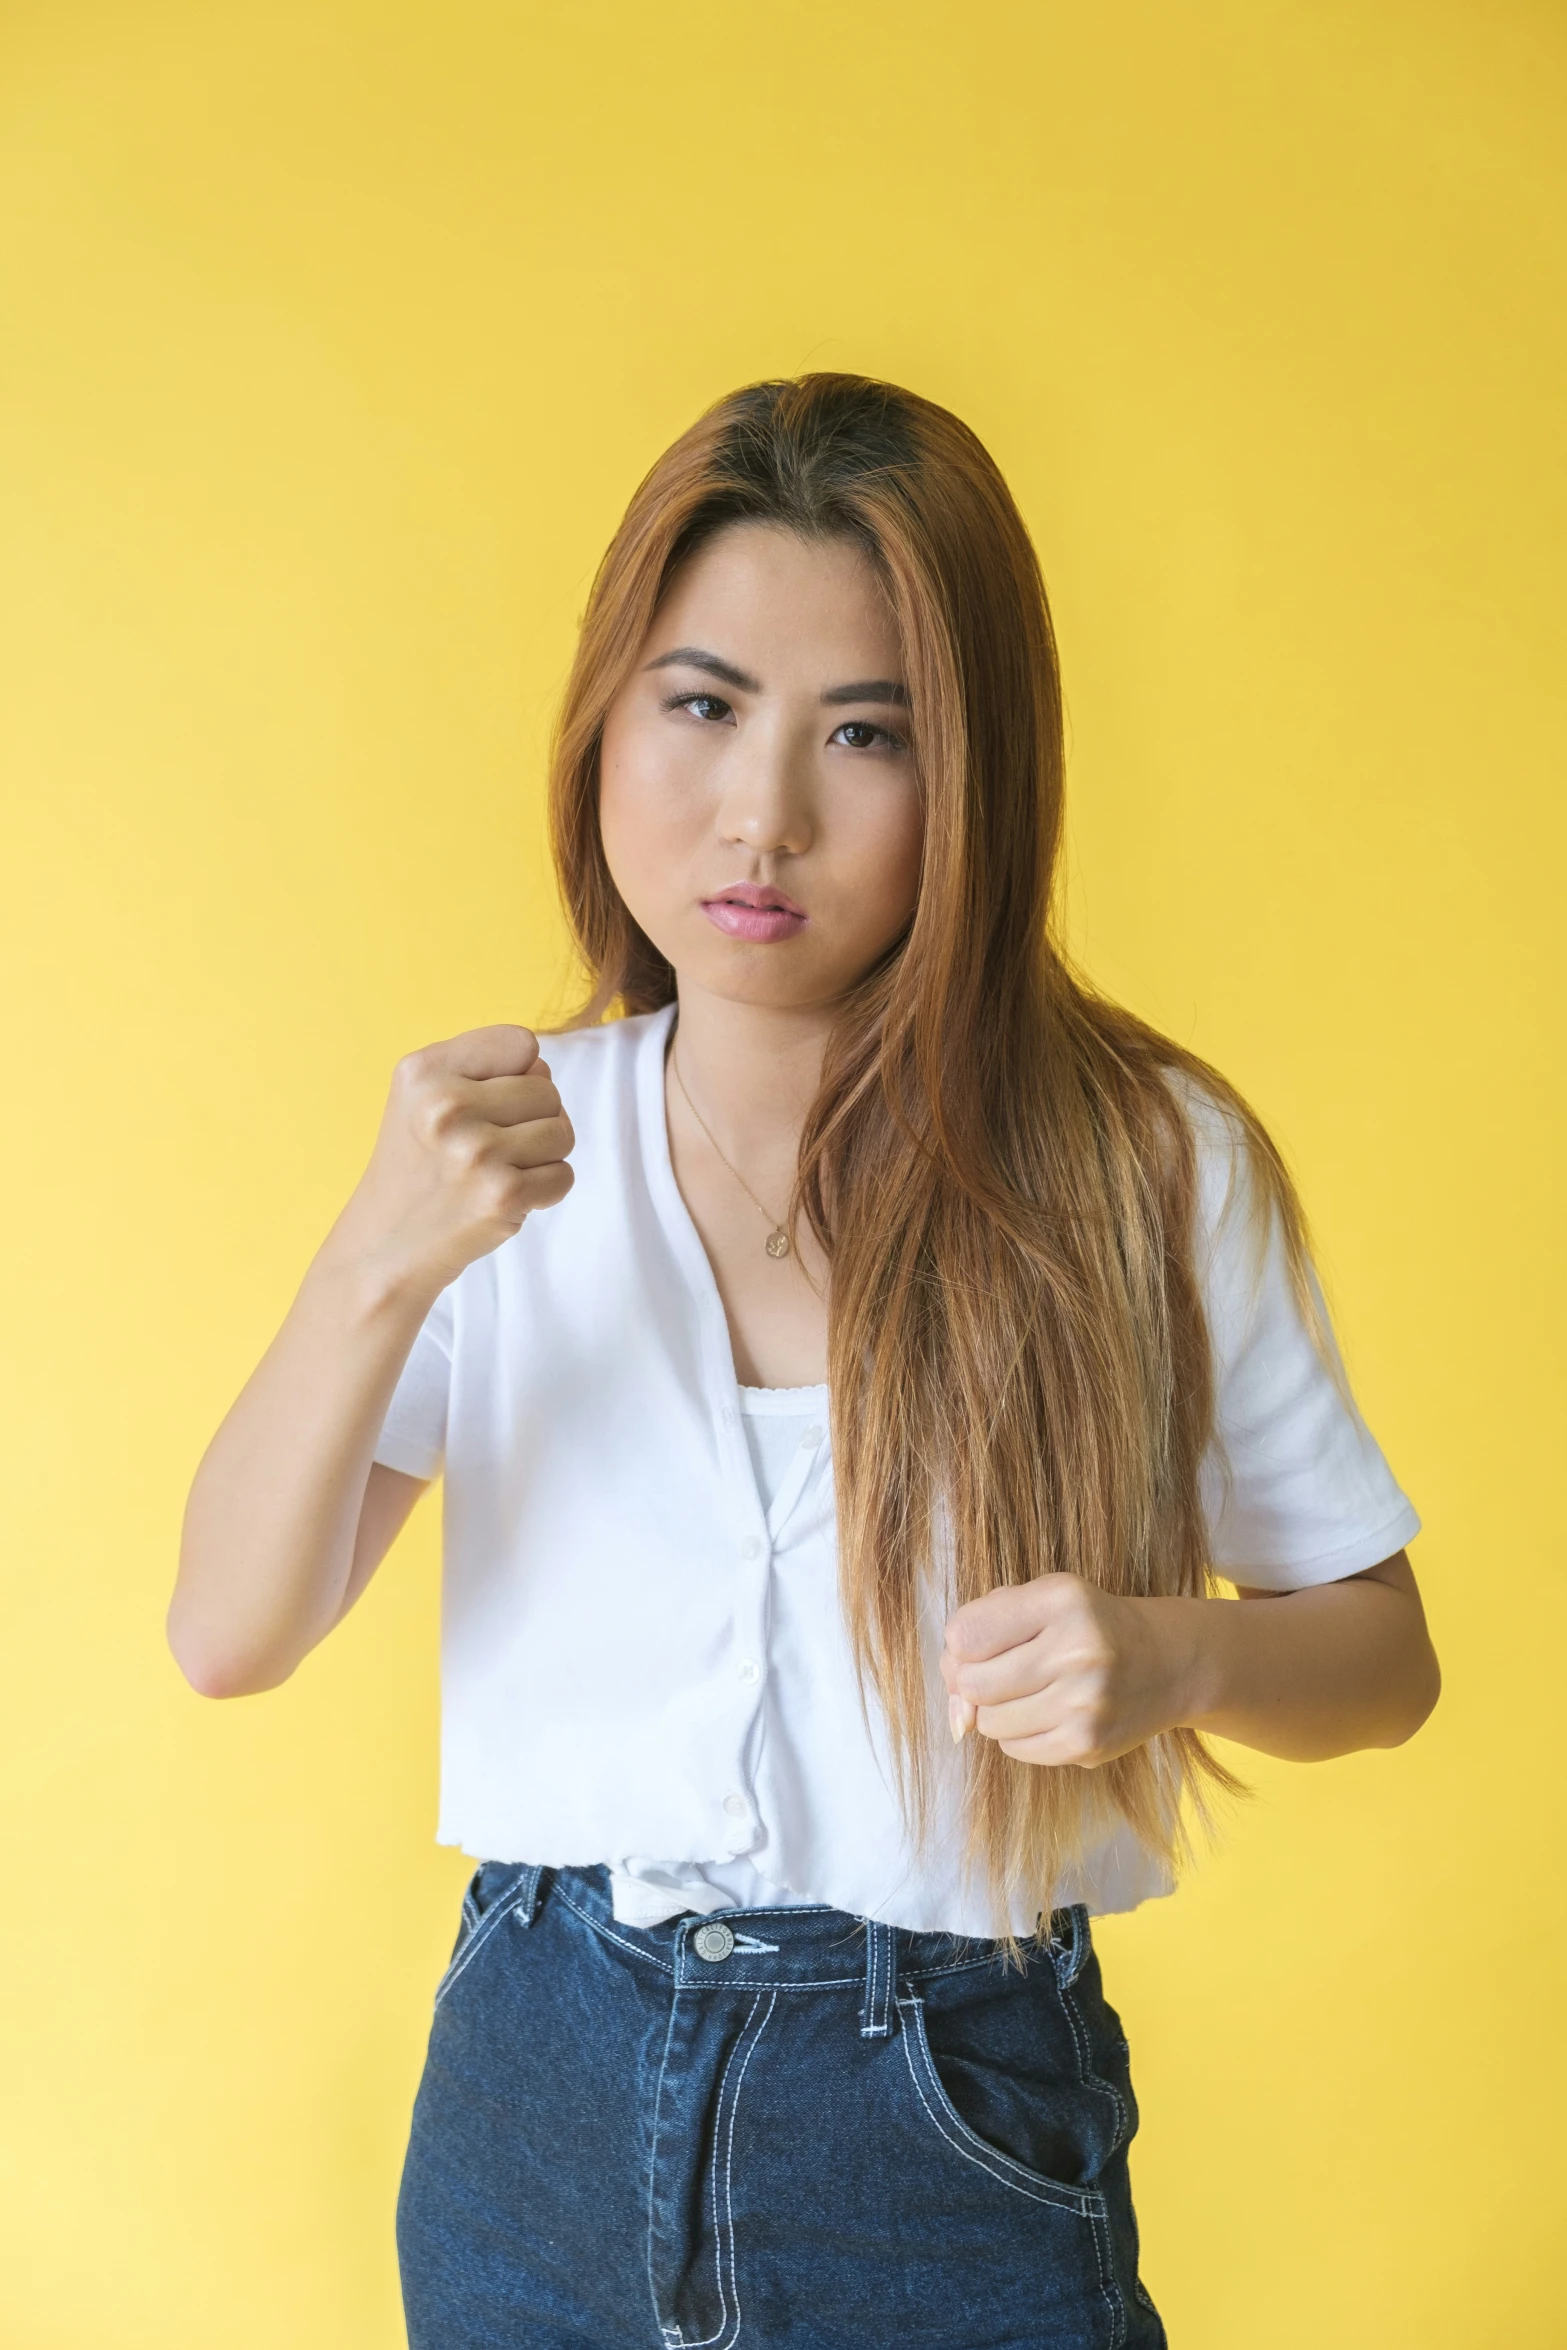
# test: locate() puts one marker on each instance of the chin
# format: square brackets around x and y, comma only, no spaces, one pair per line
[764,976]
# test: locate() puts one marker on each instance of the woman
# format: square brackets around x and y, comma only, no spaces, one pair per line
[920,1335]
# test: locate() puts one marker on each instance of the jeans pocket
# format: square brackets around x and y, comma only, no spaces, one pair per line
[959,2132]
[487,1899]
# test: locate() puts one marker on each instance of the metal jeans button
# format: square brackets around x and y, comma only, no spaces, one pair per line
[712,1943]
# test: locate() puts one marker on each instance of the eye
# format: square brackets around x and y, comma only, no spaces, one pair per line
[858,734]
[708,709]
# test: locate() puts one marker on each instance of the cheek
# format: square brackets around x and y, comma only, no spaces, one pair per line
[643,819]
[888,853]
[909,855]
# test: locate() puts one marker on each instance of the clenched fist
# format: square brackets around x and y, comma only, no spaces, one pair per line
[473,1139]
[1058,1671]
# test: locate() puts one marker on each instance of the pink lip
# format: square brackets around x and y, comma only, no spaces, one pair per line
[760,916]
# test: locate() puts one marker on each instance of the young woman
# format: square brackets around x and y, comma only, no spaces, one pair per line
[919,1337]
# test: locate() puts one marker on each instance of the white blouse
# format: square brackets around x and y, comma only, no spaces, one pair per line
[644,1661]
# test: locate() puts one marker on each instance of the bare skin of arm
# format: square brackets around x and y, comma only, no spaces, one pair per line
[289,1517]
[1057,1671]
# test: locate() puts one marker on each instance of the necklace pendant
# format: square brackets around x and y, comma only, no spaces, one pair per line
[778,1243]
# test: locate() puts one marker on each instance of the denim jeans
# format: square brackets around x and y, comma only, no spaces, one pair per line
[764,2129]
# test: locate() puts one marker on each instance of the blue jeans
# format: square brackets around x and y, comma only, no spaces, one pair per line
[770,2128]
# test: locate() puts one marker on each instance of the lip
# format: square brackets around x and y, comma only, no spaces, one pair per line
[760,916]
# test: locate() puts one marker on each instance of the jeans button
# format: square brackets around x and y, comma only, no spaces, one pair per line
[712,1943]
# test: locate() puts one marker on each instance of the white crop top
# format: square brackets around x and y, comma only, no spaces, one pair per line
[644,1661]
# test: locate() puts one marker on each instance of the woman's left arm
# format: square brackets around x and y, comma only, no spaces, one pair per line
[1057,1671]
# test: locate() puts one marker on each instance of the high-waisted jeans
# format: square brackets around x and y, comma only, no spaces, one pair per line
[769,2130]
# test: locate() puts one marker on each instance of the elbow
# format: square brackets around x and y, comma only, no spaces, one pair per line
[217,1668]
[1425,1688]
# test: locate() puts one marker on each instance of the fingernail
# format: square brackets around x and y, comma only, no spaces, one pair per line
[960,1718]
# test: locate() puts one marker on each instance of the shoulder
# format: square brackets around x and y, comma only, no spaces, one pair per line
[1248,1246]
[1223,1156]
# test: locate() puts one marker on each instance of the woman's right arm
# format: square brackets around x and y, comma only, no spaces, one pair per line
[289,1517]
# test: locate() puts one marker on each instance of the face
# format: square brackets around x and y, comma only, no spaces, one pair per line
[757,797]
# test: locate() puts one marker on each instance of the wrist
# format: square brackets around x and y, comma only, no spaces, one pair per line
[1191,1640]
[373,1282]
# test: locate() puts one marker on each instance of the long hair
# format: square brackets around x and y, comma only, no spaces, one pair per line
[997,1163]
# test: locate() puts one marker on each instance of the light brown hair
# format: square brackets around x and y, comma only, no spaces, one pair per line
[997,1163]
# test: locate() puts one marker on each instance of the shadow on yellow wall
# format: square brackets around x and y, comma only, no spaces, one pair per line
[336,337]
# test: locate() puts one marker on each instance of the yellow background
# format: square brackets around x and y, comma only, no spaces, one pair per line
[334,337]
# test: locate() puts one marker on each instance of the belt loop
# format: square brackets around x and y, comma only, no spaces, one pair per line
[1070,1942]
[526,1901]
[881,1967]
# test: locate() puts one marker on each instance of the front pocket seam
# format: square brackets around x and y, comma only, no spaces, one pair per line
[1092,2079]
[957,1966]
[474,1943]
[1085,2202]
[610,1935]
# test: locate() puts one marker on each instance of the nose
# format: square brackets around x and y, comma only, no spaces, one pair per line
[765,801]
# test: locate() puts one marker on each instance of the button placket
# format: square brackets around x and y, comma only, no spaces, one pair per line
[749,1669]
[748,1657]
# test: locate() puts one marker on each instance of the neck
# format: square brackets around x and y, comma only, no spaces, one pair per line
[752,1070]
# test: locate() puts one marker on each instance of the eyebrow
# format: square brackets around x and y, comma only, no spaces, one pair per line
[693,657]
[868,689]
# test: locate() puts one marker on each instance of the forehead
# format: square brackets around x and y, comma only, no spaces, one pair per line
[766,598]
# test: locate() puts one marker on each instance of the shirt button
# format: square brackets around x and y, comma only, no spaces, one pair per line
[714,1943]
[812,1436]
[750,1548]
[736,1806]
[748,1669]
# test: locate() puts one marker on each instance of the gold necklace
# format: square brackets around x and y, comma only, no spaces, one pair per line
[777,1241]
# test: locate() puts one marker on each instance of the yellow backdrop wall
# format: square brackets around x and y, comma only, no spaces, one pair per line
[335,338]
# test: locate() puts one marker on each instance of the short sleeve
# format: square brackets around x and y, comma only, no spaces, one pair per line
[413,1434]
[1295,1488]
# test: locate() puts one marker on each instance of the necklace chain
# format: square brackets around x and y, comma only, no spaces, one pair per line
[777,1241]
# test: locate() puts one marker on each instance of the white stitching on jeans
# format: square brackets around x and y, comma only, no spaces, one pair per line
[877,2021]
[670,2333]
[1081,2200]
[959,1966]
[805,1909]
[486,1926]
[1066,1987]
[724,2231]
[729,2144]
[1110,2292]
[611,1936]
[1091,2080]
[1078,2027]
[714,1978]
